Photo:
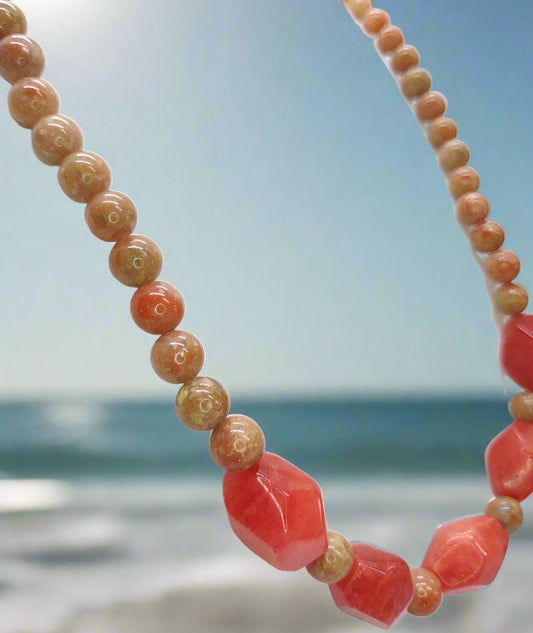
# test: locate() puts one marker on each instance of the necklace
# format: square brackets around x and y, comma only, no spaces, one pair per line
[275,508]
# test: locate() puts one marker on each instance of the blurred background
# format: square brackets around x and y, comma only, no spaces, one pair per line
[303,217]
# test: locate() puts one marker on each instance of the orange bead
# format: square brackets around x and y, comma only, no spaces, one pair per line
[452,155]
[430,106]
[111,215]
[236,443]
[374,21]
[415,83]
[134,260]
[54,137]
[335,563]
[389,39]
[471,208]
[157,307]
[202,403]
[510,298]
[12,20]
[507,511]
[358,8]
[405,58]
[83,174]
[462,180]
[487,237]
[20,57]
[440,131]
[501,266]
[30,100]
[427,591]
[177,356]
[521,406]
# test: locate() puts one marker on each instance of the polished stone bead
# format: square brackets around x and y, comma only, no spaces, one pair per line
[31,99]
[487,237]
[516,349]
[12,20]
[54,137]
[134,260]
[375,21]
[502,266]
[510,298]
[389,39]
[358,8]
[521,406]
[415,83]
[453,154]
[335,563]
[509,461]
[277,511]
[467,553]
[440,131]
[404,58]
[177,356]
[507,511]
[20,57]
[378,589]
[157,307]
[427,592]
[471,208]
[430,106]
[463,180]
[202,403]
[236,443]
[111,215]
[83,174]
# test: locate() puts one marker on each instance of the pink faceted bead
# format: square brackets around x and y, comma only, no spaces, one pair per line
[277,511]
[516,349]
[466,554]
[378,589]
[509,461]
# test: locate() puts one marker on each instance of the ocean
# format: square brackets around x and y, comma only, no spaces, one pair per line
[112,518]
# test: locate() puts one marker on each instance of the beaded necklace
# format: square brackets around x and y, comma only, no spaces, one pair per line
[274,508]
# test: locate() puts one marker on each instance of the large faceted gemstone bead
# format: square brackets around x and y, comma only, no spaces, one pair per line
[509,461]
[467,553]
[516,349]
[277,511]
[378,589]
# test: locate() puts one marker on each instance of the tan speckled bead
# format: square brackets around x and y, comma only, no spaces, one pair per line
[471,208]
[31,99]
[507,511]
[111,215]
[501,266]
[135,259]
[374,21]
[440,131]
[389,39]
[462,180]
[405,58]
[487,237]
[427,592]
[415,83]
[452,155]
[202,403]
[20,57]
[521,406]
[335,563]
[83,174]
[54,137]
[358,8]
[12,20]
[510,299]
[430,106]
[177,356]
[236,443]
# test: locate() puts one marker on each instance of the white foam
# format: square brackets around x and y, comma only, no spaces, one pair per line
[23,495]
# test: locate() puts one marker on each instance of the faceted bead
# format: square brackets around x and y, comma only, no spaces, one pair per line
[389,39]
[467,553]
[487,237]
[20,57]
[415,83]
[202,403]
[453,154]
[157,307]
[507,511]
[427,592]
[358,8]
[509,461]
[471,208]
[430,106]
[521,406]
[335,563]
[405,58]
[516,349]
[462,180]
[54,137]
[12,20]
[374,21]
[440,131]
[510,298]
[111,215]
[277,511]
[177,356]
[84,174]
[236,443]
[378,589]
[31,99]
[502,266]
[134,260]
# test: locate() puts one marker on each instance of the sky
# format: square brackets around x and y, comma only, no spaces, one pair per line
[298,207]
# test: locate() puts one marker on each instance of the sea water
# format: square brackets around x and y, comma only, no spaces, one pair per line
[112,519]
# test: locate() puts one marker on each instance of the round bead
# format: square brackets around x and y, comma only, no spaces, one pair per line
[462,180]
[453,154]
[415,83]
[510,299]
[54,137]
[487,237]
[202,403]
[471,208]
[177,356]
[31,99]
[502,266]
[521,406]
[427,590]
[20,57]
[236,443]
[12,20]
[335,563]
[374,21]
[134,260]
[389,39]
[157,307]
[441,130]
[358,8]
[83,174]
[111,215]
[405,58]
[507,511]
[430,106]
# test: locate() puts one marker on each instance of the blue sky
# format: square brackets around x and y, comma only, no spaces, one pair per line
[298,208]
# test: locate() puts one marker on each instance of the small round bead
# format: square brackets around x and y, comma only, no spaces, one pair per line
[202,403]
[521,406]
[177,356]
[374,21]
[405,58]
[487,237]
[12,20]
[31,99]
[440,131]
[54,137]
[157,307]
[501,266]
[335,563]
[236,443]
[430,106]
[471,208]
[453,154]
[510,299]
[415,83]
[111,215]
[134,260]
[507,511]
[83,174]
[20,57]
[358,8]
[389,39]
[462,180]
[427,596]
